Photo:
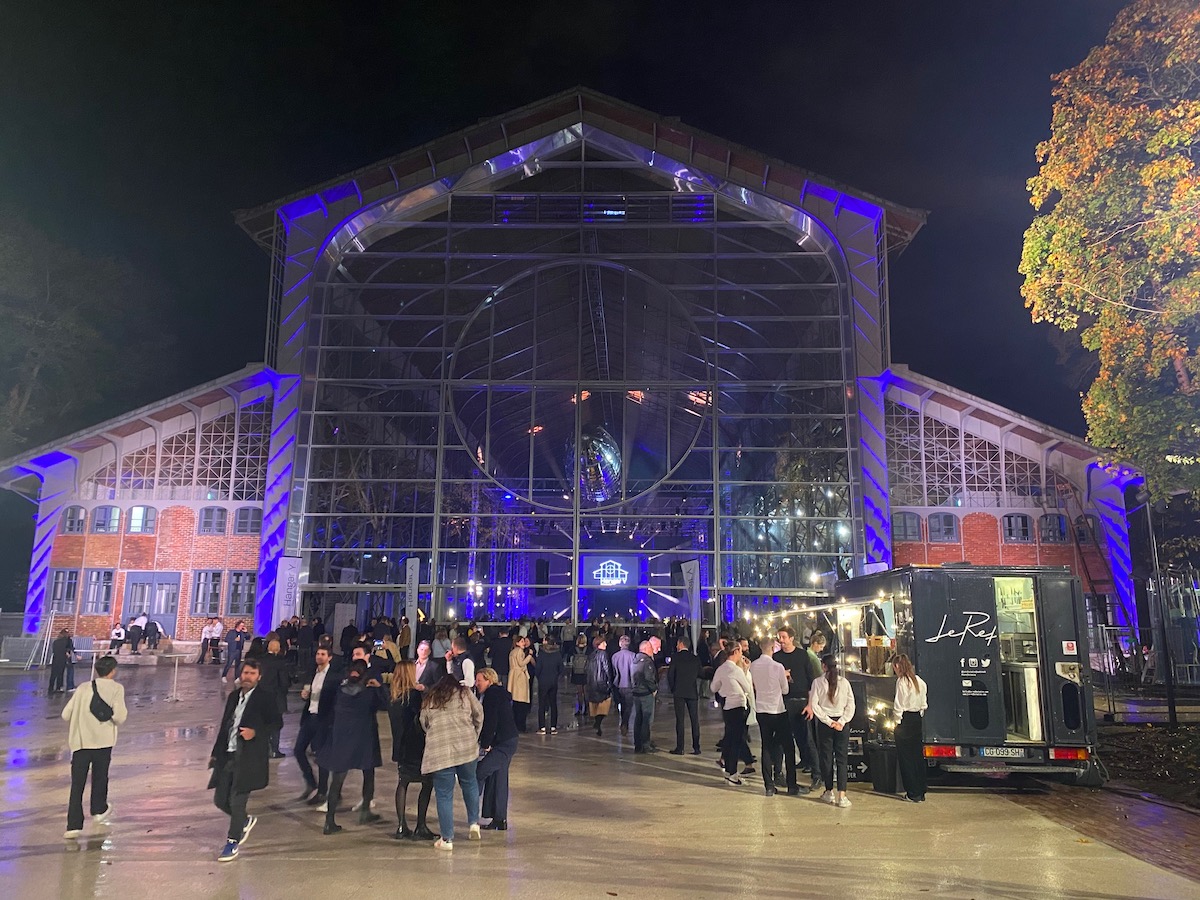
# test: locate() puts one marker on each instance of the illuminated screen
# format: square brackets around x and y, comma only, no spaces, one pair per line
[609,572]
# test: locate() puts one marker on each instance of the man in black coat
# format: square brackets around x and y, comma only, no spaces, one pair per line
[60,658]
[498,742]
[499,651]
[681,681]
[240,755]
[347,641]
[316,721]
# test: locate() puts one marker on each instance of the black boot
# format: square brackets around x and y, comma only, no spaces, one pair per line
[422,833]
[331,827]
[366,817]
[496,825]
[403,833]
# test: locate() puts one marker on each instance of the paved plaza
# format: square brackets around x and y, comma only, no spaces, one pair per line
[588,819]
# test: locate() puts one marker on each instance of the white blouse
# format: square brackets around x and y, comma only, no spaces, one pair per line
[909,698]
[840,707]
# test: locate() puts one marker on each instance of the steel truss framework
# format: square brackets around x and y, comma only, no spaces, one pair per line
[462,349]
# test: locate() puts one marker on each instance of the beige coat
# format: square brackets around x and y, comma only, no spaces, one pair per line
[85,731]
[518,674]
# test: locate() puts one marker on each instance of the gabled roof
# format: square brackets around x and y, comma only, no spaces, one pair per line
[663,134]
[21,468]
[993,414]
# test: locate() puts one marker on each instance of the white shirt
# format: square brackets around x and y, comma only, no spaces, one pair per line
[841,707]
[420,670]
[237,720]
[733,685]
[141,621]
[770,685]
[314,695]
[468,666]
[118,633]
[909,698]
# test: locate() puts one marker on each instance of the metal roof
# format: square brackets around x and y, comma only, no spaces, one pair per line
[20,468]
[580,105]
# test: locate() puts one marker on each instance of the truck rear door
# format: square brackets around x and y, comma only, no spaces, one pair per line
[1066,673]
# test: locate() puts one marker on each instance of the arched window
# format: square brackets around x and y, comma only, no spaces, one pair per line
[906,526]
[73,519]
[1052,528]
[141,520]
[943,528]
[248,520]
[105,520]
[1018,528]
[212,520]
[1086,529]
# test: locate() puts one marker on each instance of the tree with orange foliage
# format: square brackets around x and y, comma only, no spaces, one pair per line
[1115,252]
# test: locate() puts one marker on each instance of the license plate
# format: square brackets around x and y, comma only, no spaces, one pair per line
[1003,752]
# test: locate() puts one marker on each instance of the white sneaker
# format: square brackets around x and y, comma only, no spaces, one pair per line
[71,833]
[357,806]
[473,833]
[828,797]
[324,807]
[105,817]
[733,779]
[440,844]
[843,803]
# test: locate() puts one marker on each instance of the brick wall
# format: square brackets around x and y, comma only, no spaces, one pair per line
[982,544]
[175,547]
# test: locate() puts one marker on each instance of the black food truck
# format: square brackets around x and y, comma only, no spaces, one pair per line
[1003,650]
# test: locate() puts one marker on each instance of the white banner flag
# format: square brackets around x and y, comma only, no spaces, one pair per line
[690,569]
[412,586]
[287,588]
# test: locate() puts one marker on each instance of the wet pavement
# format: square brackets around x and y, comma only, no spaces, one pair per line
[588,819]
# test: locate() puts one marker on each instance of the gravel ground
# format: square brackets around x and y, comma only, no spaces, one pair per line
[1155,759]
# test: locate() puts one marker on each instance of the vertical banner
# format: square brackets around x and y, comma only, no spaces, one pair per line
[690,570]
[412,586]
[287,588]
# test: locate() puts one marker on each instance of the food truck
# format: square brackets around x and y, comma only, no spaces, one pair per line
[1003,650]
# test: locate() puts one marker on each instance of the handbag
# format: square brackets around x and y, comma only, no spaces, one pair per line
[99,708]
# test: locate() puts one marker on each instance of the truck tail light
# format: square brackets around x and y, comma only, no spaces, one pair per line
[1078,753]
[940,751]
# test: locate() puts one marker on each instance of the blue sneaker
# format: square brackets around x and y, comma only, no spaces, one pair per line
[251,821]
[229,853]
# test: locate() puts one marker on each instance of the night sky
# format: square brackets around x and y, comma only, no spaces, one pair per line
[135,129]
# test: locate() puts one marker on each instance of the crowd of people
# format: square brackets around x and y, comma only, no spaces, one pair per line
[457,708]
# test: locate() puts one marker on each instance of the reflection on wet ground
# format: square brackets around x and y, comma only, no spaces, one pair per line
[588,818]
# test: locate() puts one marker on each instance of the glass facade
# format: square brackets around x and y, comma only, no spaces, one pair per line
[554,389]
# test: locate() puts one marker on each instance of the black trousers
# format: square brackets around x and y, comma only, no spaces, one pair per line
[624,698]
[58,672]
[548,706]
[778,751]
[311,734]
[910,754]
[689,707]
[231,802]
[733,746]
[492,774]
[98,761]
[834,747]
[801,729]
[521,715]
[335,793]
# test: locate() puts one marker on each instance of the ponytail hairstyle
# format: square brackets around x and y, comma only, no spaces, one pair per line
[829,661]
[904,668]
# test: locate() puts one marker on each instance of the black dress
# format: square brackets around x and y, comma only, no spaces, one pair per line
[354,739]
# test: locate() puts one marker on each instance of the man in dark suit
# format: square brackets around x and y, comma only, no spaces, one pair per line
[241,753]
[429,671]
[316,721]
[682,675]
